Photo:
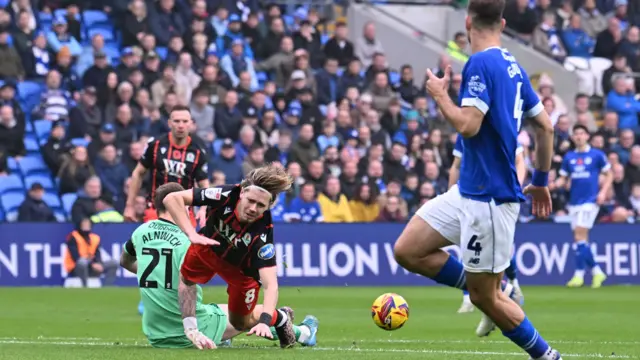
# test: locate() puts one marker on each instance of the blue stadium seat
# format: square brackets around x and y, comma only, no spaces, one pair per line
[323,109]
[95,17]
[217,146]
[79,142]
[27,89]
[10,183]
[44,180]
[31,144]
[42,128]
[45,17]
[12,164]
[112,52]
[394,77]
[162,52]
[52,199]
[324,38]
[67,201]
[28,127]
[12,201]
[60,216]
[107,33]
[12,216]
[2,217]
[262,76]
[33,164]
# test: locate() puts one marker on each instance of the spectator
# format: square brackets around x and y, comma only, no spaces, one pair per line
[85,205]
[75,171]
[11,63]
[304,149]
[236,62]
[364,206]
[82,256]
[381,92]
[520,18]
[327,82]
[316,174]
[581,108]
[593,22]
[576,40]
[273,39]
[23,34]
[55,102]
[619,66]
[33,208]
[209,82]
[623,148]
[60,37]
[186,78]
[8,97]
[349,179]
[268,131]
[136,23]
[333,204]
[57,148]
[254,159]
[20,7]
[620,13]
[608,41]
[167,83]
[632,169]
[546,37]
[391,211]
[352,78]
[86,118]
[252,33]
[630,47]
[622,100]
[339,47]
[228,162]
[130,160]
[167,22]
[328,137]
[367,45]
[432,176]
[232,35]
[609,129]
[106,136]
[378,65]
[304,208]
[127,131]
[394,189]
[96,74]
[106,212]
[456,48]
[280,63]
[11,134]
[203,115]
[127,63]
[280,151]
[563,14]
[306,39]
[228,117]
[111,171]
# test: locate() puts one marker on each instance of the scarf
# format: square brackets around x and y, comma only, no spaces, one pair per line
[552,38]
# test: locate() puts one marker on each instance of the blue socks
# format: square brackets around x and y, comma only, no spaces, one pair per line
[528,338]
[587,255]
[452,274]
[512,270]
[580,257]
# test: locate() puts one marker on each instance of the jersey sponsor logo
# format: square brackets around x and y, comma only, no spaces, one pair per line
[227,233]
[267,252]
[475,86]
[175,168]
[227,210]
[213,193]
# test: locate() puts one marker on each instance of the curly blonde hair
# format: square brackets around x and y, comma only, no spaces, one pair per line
[270,177]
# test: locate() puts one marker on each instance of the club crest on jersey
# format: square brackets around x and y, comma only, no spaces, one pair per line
[227,233]
[267,252]
[175,168]
[163,150]
[190,157]
[475,86]
[213,193]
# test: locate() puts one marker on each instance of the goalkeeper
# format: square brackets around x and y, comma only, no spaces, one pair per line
[154,253]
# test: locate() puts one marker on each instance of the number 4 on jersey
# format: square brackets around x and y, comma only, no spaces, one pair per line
[517,105]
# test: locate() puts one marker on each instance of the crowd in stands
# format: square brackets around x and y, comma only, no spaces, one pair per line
[86,85]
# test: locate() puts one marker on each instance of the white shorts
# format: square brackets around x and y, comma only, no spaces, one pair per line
[583,215]
[484,231]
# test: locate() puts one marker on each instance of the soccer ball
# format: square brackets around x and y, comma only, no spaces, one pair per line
[390,311]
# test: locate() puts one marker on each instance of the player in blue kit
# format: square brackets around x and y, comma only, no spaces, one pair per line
[512,271]
[481,211]
[584,166]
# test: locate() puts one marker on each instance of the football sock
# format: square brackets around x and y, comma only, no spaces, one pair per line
[279,318]
[452,274]
[589,259]
[528,338]
[303,333]
[580,259]
[512,270]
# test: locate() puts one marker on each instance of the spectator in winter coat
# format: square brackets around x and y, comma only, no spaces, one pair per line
[339,47]
[167,22]
[56,149]
[334,205]
[304,208]
[111,171]
[11,134]
[10,59]
[33,209]
[228,162]
[85,205]
[327,82]
[577,41]
[236,62]
[60,37]
[280,63]
[367,45]
[622,100]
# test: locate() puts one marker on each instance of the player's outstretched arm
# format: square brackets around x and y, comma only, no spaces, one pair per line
[175,204]
[454,172]
[134,188]
[187,297]
[269,280]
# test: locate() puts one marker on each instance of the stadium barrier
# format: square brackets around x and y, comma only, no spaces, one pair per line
[332,254]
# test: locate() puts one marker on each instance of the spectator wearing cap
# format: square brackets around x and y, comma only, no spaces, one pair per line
[70,80]
[273,40]
[135,23]
[630,47]
[167,22]
[230,38]
[608,40]
[33,208]
[22,35]
[57,148]
[620,13]
[297,84]
[60,37]
[327,81]
[10,59]
[151,69]
[203,115]
[75,171]
[8,97]
[576,40]
[86,118]
[228,162]
[216,91]
[367,45]
[280,63]
[112,172]
[352,77]
[306,39]
[339,47]
[11,133]
[87,58]
[228,117]
[106,136]
[186,78]
[301,62]
[334,205]
[622,100]
[304,149]
[291,119]
[96,74]
[236,62]
[127,63]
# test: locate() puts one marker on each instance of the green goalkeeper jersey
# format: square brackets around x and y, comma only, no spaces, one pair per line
[159,247]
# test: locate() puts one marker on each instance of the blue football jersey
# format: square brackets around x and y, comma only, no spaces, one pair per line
[584,168]
[494,83]
[457,147]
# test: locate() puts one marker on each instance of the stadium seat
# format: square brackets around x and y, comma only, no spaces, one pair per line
[33,164]
[95,17]
[52,199]
[42,128]
[2,217]
[12,201]
[28,127]
[13,166]
[324,38]
[61,217]
[11,183]
[394,77]
[79,142]
[27,89]
[45,17]
[12,216]
[67,201]
[262,76]
[112,52]
[44,180]
[162,52]
[31,144]
[107,33]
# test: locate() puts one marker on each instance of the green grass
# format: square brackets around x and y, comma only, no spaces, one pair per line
[52,323]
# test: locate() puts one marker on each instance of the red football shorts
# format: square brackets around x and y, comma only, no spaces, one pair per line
[201,264]
[151,214]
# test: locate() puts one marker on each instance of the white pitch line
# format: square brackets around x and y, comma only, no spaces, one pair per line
[406,351]
[417,341]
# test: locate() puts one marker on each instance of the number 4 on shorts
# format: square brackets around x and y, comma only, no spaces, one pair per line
[474,245]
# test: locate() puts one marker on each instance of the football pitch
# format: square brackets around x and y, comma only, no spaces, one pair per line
[69,324]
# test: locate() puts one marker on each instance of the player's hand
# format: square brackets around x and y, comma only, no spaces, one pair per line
[199,340]
[438,86]
[201,216]
[129,214]
[202,240]
[541,206]
[261,330]
[602,197]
